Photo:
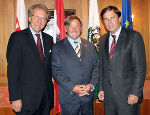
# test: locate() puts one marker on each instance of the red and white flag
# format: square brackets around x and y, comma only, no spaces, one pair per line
[59,19]
[20,15]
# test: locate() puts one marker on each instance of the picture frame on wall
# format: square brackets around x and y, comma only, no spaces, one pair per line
[67,13]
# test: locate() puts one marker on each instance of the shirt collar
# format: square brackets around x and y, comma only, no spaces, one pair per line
[33,32]
[117,32]
[72,41]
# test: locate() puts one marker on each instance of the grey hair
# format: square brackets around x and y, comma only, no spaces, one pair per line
[40,6]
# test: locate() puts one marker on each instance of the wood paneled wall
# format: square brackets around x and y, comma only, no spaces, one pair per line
[148,39]
[140,9]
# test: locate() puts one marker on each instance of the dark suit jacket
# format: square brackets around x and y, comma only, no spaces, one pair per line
[28,79]
[125,73]
[68,71]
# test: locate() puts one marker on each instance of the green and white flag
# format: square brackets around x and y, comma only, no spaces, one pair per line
[94,23]
[94,29]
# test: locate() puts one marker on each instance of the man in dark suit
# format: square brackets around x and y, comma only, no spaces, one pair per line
[29,66]
[75,69]
[122,66]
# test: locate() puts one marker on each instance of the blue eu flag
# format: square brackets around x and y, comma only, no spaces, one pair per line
[126,14]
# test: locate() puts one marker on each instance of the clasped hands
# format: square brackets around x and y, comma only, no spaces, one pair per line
[82,90]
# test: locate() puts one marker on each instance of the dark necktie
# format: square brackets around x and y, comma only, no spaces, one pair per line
[113,44]
[40,49]
[77,50]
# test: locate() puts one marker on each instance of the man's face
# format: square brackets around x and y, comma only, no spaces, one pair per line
[38,19]
[74,29]
[111,21]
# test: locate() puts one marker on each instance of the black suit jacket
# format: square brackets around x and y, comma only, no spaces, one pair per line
[125,73]
[28,79]
[69,71]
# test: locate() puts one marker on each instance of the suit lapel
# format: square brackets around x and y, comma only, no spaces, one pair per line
[46,48]
[83,48]
[106,42]
[118,45]
[33,44]
[69,49]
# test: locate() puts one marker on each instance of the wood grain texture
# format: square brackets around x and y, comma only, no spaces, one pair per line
[8,15]
[148,40]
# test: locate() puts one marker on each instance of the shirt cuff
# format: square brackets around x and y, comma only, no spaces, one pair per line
[92,88]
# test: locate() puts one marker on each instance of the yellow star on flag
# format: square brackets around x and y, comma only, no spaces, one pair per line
[127,23]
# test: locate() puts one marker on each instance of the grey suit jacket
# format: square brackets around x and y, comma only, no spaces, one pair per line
[125,73]
[68,71]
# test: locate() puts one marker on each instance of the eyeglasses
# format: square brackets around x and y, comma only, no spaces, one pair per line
[38,17]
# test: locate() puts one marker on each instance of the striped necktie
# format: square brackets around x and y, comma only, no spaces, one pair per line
[77,50]
[113,44]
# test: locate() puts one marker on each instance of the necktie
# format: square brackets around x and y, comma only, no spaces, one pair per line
[113,44]
[77,50]
[40,49]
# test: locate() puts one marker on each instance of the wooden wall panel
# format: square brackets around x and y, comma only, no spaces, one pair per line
[148,39]
[6,27]
[141,24]
[8,14]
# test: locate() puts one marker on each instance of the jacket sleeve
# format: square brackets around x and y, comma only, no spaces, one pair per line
[95,68]
[139,64]
[100,53]
[57,71]
[14,67]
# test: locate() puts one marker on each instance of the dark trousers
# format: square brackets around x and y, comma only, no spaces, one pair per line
[130,110]
[77,109]
[43,109]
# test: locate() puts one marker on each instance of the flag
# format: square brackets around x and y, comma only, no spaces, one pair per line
[59,17]
[126,14]
[94,28]
[20,15]
[94,22]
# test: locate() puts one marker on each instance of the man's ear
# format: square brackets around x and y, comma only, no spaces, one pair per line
[29,19]
[66,29]
[120,19]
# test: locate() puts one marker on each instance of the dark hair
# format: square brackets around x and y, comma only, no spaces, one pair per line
[109,8]
[41,6]
[69,19]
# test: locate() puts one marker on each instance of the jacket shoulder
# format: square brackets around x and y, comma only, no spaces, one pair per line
[87,42]
[130,32]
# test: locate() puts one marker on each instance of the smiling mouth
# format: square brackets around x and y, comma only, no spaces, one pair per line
[74,33]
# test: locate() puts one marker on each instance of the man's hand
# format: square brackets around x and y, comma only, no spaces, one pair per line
[101,95]
[87,89]
[132,99]
[80,89]
[17,105]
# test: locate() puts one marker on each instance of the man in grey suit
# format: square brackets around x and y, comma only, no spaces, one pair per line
[122,66]
[75,69]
